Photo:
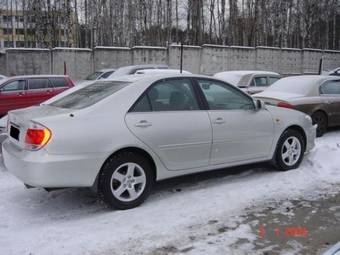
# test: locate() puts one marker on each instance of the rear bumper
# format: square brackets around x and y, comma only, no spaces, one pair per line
[40,169]
[311,135]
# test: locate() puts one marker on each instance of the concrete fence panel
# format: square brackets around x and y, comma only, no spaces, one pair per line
[290,61]
[111,57]
[241,58]
[78,62]
[214,59]
[21,61]
[267,59]
[191,58]
[311,60]
[331,59]
[149,55]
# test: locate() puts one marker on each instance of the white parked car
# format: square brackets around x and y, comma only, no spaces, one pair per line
[162,71]
[251,82]
[121,136]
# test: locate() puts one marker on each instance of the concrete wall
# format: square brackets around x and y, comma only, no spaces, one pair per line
[78,62]
[191,58]
[267,58]
[205,59]
[311,60]
[27,61]
[111,57]
[149,55]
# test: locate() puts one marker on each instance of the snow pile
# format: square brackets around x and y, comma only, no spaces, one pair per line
[202,216]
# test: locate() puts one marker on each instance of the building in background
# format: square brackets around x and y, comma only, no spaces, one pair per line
[35,28]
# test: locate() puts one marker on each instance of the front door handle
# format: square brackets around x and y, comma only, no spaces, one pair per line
[219,121]
[143,123]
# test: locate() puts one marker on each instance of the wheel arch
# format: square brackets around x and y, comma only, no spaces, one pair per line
[322,111]
[300,130]
[133,149]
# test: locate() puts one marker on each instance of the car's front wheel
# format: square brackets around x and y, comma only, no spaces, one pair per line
[125,180]
[290,150]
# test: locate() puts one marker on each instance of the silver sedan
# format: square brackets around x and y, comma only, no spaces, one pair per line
[121,136]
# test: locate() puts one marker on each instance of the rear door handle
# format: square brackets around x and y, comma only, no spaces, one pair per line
[143,123]
[219,121]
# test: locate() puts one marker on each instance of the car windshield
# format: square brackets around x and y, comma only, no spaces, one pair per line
[93,76]
[297,85]
[89,95]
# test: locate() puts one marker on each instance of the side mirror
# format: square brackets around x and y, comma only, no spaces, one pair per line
[258,104]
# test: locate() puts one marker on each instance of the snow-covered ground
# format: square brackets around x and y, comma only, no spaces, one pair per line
[182,216]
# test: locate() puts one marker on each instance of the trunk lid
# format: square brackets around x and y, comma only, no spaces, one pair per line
[19,120]
[273,97]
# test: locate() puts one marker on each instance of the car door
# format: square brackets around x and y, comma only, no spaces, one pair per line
[330,96]
[38,90]
[240,132]
[169,119]
[12,96]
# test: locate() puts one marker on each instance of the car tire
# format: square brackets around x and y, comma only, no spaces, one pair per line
[125,180]
[320,119]
[289,151]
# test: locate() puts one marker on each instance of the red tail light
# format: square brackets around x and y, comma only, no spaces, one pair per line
[285,105]
[37,136]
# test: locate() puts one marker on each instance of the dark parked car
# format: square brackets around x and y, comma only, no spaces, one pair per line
[23,91]
[315,95]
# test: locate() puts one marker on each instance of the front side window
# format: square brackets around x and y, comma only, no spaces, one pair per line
[168,95]
[331,88]
[89,95]
[14,86]
[38,84]
[221,96]
[260,81]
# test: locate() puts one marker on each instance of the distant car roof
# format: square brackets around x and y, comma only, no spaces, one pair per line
[303,84]
[160,71]
[234,77]
[36,76]
[132,69]
[104,70]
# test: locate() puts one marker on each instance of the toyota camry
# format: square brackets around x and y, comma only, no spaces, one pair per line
[121,136]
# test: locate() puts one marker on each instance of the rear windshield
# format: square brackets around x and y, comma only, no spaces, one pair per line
[89,95]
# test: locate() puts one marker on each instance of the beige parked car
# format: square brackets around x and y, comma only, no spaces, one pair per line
[315,95]
[251,82]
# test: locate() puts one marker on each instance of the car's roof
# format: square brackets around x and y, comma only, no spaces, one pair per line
[312,78]
[106,70]
[154,77]
[36,76]
[246,72]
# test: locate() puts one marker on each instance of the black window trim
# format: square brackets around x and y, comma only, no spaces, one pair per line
[206,104]
[196,91]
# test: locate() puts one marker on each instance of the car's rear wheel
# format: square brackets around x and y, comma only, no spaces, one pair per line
[320,119]
[290,150]
[125,180]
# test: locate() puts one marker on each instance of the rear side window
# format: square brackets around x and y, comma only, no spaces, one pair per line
[38,84]
[331,88]
[14,86]
[58,82]
[273,79]
[260,81]
[89,95]
[168,95]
